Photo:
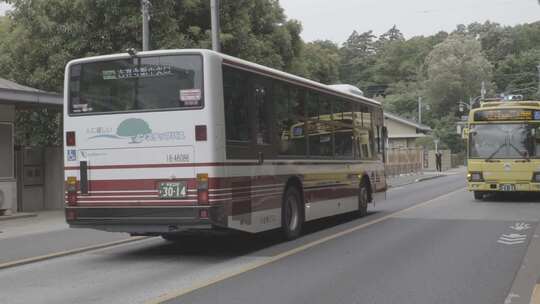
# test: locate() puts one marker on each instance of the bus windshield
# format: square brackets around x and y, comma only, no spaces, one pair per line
[504,141]
[136,84]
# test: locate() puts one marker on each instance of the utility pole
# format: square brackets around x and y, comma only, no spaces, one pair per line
[145,8]
[214,7]
[538,67]
[483,90]
[419,110]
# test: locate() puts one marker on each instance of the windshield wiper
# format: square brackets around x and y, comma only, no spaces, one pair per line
[495,153]
[523,156]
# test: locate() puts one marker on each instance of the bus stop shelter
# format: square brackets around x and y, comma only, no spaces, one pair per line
[19,179]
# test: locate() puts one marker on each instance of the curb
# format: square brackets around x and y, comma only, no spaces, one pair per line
[422,179]
[70,252]
[17,216]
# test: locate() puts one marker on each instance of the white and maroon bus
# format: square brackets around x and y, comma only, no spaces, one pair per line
[165,141]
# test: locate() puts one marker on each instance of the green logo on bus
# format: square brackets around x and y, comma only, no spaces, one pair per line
[135,128]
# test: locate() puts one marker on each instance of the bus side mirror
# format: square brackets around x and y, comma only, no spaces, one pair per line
[465,133]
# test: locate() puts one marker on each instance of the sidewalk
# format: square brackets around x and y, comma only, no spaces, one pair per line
[405,179]
[46,235]
[39,222]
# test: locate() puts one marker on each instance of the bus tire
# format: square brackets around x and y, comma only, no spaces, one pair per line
[363,199]
[292,215]
[478,195]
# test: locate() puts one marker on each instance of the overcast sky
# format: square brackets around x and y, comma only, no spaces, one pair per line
[336,19]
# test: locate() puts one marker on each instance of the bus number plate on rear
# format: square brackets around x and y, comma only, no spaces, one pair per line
[169,190]
[507,187]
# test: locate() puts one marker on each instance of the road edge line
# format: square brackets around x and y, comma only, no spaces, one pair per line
[183,291]
[69,252]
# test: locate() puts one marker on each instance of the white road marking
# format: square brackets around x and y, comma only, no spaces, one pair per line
[512,239]
[520,226]
[510,297]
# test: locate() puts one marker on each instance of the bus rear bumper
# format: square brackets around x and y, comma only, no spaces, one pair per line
[500,186]
[146,221]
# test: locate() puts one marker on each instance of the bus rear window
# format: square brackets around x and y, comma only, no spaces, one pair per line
[136,84]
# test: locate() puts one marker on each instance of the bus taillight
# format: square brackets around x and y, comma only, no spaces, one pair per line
[202,188]
[70,138]
[200,133]
[72,190]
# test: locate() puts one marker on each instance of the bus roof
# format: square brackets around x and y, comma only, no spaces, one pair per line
[237,62]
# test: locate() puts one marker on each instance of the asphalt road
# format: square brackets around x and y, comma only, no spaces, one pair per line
[428,243]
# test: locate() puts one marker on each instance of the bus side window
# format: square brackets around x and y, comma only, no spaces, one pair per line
[236,105]
[289,120]
[320,129]
[262,94]
[343,128]
[363,133]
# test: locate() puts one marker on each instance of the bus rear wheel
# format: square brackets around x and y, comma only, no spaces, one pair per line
[363,199]
[292,215]
[478,195]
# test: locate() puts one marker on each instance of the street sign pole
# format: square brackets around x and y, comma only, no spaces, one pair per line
[214,7]
[145,7]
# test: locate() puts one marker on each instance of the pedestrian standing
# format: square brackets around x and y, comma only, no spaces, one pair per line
[438,160]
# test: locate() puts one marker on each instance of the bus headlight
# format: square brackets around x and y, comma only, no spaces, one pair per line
[475,177]
[536,177]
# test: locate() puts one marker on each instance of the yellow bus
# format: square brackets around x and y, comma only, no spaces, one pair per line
[504,148]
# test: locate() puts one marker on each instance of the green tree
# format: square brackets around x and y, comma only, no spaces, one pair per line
[45,35]
[517,74]
[38,38]
[321,59]
[445,130]
[357,58]
[455,69]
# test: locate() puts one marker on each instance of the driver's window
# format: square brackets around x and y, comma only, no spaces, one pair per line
[535,132]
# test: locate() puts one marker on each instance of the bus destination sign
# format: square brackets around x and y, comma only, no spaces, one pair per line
[507,115]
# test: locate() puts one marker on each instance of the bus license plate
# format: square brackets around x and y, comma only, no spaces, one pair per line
[508,187]
[170,190]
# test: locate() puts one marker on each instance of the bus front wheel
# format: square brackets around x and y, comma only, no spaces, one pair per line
[292,215]
[478,195]
[363,199]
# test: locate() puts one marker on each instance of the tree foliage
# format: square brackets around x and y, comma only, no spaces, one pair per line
[321,59]
[455,68]
[38,38]
[44,35]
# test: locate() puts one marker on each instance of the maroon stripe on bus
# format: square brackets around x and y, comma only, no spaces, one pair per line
[222,164]
[144,166]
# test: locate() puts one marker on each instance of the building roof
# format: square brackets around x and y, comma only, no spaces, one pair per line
[17,94]
[411,123]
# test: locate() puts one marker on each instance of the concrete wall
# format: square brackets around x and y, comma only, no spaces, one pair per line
[401,135]
[398,129]
[8,197]
[7,113]
[8,185]
[54,178]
